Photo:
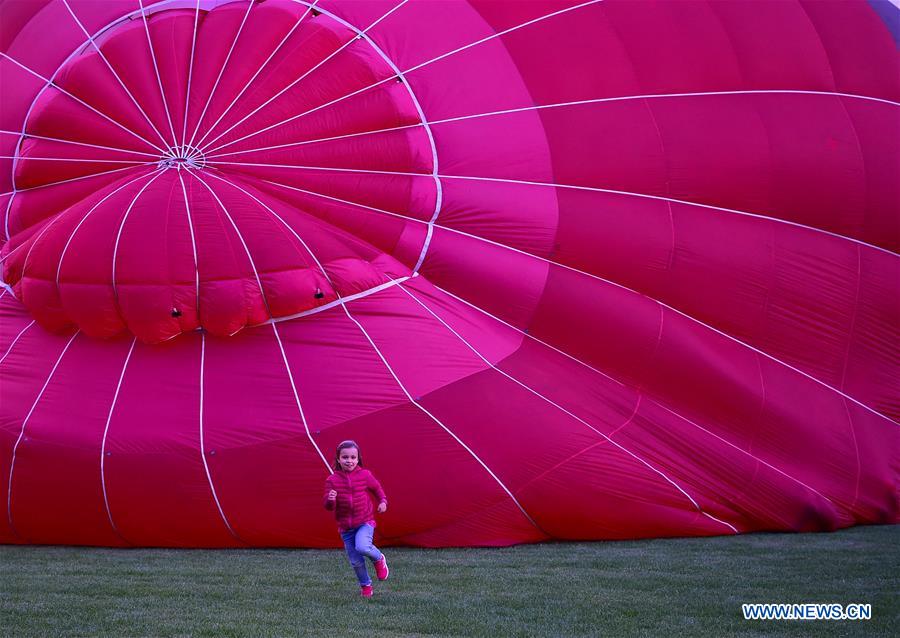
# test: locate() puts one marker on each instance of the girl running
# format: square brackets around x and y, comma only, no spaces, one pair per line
[349,493]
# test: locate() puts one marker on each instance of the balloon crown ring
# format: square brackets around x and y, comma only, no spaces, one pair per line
[182,157]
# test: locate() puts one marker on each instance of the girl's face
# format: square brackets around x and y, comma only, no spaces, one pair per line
[348,458]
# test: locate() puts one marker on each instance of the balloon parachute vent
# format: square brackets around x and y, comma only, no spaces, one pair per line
[179,157]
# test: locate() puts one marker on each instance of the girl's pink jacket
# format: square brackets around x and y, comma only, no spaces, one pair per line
[353,506]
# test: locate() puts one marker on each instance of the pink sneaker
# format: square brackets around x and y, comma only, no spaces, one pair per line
[381,568]
[365,591]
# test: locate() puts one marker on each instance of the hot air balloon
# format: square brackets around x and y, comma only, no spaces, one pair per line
[566,270]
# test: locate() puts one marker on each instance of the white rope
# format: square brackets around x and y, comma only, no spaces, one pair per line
[80,101]
[342,300]
[442,426]
[553,106]
[9,349]
[187,92]
[115,74]
[287,367]
[319,64]
[262,291]
[655,402]
[212,487]
[8,209]
[567,412]
[62,141]
[75,179]
[115,255]
[187,208]
[597,277]
[45,229]
[399,383]
[593,189]
[413,68]
[676,201]
[62,255]
[26,158]
[12,465]
[321,139]
[162,92]
[274,327]
[249,82]
[103,452]
[128,168]
[221,71]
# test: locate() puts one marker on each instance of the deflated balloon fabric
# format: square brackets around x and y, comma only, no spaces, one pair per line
[565,270]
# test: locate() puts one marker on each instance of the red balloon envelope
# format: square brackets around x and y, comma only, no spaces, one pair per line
[566,270]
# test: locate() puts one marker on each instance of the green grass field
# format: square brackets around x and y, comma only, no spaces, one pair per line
[673,587]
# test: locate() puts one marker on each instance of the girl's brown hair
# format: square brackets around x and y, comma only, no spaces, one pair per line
[343,445]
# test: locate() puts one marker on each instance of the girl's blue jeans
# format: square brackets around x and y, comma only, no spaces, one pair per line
[358,543]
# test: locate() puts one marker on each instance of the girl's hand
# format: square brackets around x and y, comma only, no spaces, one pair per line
[382,508]
[332,495]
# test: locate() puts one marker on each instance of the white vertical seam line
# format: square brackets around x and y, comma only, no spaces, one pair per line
[112,408]
[9,205]
[212,488]
[268,310]
[187,208]
[12,465]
